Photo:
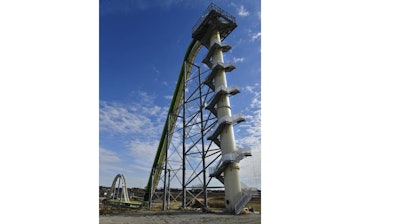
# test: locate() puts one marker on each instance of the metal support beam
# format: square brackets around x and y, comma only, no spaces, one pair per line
[184,138]
[165,169]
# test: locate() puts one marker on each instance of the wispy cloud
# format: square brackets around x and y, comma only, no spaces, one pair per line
[254,115]
[109,161]
[169,97]
[122,119]
[144,97]
[108,156]
[136,129]
[143,118]
[255,36]
[112,163]
[235,59]
[242,11]
[156,70]
[143,153]
[250,137]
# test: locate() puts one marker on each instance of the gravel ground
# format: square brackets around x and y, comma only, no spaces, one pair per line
[179,217]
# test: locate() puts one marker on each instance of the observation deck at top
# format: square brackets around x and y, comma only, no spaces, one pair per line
[214,18]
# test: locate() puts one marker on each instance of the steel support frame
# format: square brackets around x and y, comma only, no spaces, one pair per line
[195,126]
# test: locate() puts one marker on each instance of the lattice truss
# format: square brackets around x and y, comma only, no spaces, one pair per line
[191,156]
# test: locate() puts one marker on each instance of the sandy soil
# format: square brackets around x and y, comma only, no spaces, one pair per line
[179,217]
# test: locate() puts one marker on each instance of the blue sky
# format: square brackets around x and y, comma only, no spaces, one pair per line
[142,45]
[330,111]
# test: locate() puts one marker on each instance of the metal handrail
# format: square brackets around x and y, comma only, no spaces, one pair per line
[210,8]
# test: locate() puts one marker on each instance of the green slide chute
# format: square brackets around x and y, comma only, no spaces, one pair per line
[176,102]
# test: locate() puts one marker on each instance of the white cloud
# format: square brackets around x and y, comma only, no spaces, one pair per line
[110,163]
[144,97]
[142,154]
[108,156]
[121,119]
[143,150]
[255,36]
[250,169]
[140,168]
[142,118]
[142,121]
[250,137]
[235,59]
[242,11]
[169,97]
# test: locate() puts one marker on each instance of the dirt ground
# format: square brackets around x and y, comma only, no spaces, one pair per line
[179,218]
[176,215]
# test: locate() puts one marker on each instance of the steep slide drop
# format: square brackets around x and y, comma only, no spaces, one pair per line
[159,159]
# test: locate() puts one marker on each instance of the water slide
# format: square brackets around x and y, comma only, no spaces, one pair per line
[176,102]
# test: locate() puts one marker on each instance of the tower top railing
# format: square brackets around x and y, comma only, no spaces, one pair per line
[210,8]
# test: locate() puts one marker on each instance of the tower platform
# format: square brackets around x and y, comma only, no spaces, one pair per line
[214,18]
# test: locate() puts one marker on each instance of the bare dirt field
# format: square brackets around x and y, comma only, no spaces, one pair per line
[179,217]
[176,215]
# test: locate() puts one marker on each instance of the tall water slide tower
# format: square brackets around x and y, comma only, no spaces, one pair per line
[213,26]
[212,96]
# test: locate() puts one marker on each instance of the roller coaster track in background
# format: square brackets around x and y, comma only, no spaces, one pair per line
[176,101]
